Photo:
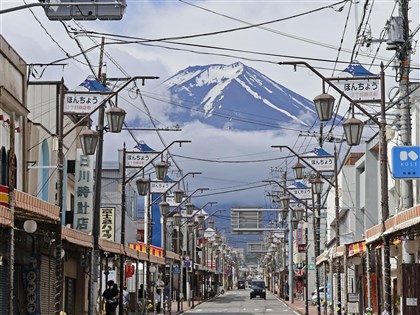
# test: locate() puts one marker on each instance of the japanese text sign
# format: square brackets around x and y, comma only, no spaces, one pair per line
[360,90]
[83,214]
[82,102]
[107,224]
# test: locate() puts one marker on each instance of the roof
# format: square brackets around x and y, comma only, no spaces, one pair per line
[357,70]
[91,84]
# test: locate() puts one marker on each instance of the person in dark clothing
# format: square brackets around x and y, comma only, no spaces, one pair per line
[141,293]
[110,296]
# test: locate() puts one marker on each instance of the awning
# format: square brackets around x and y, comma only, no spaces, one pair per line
[403,220]
[373,234]
[356,248]
[395,224]
[172,255]
[108,246]
[338,251]
[135,254]
[76,237]
[324,257]
[35,205]
[5,216]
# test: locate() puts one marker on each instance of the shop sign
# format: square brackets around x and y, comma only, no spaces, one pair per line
[107,223]
[83,214]
[31,283]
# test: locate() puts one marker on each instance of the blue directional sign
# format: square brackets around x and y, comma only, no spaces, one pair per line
[406,162]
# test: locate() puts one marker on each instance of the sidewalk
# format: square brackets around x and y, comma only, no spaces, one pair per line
[299,306]
[184,306]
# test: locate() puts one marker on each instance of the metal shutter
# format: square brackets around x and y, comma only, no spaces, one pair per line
[4,289]
[47,283]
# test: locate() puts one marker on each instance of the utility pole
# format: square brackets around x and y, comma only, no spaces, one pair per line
[12,180]
[95,257]
[404,106]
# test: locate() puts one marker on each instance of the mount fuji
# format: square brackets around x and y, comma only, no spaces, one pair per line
[236,97]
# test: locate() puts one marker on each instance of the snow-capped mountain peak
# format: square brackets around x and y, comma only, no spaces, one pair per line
[236,96]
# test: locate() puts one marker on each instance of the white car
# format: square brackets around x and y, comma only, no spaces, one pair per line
[314,297]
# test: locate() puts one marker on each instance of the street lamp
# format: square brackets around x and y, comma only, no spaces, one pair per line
[324,105]
[143,188]
[177,222]
[89,141]
[317,185]
[115,120]
[353,130]
[299,214]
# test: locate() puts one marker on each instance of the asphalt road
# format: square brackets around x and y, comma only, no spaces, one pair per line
[238,302]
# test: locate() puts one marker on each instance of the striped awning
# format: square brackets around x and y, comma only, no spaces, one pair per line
[356,248]
[5,216]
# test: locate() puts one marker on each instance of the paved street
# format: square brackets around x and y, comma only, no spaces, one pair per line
[237,302]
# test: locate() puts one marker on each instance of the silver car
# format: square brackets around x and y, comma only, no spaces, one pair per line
[321,296]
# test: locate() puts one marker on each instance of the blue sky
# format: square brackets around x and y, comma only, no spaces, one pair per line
[304,29]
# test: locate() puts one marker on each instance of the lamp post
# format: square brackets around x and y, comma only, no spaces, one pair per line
[164,210]
[190,212]
[317,184]
[89,139]
[299,213]
[161,169]
[178,220]
[353,130]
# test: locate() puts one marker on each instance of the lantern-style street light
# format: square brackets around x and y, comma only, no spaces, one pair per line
[88,143]
[353,130]
[299,214]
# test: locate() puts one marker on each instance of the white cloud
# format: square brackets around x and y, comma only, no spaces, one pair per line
[162,19]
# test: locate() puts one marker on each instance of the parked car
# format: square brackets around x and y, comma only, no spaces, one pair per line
[257,289]
[241,284]
[314,297]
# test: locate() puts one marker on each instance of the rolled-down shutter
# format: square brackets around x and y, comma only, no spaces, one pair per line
[4,289]
[47,283]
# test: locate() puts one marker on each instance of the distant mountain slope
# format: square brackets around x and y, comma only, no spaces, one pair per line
[238,97]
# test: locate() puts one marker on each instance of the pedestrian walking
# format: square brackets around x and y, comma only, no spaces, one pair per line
[110,296]
[126,300]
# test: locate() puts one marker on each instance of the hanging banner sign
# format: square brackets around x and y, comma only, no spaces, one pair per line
[321,163]
[301,193]
[160,187]
[82,102]
[360,89]
[107,224]
[139,159]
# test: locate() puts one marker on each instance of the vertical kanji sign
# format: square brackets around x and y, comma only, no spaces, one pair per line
[83,214]
[107,224]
